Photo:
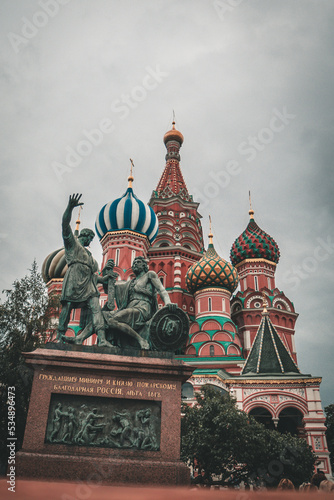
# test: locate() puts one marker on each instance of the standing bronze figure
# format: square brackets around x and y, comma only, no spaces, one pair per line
[80,282]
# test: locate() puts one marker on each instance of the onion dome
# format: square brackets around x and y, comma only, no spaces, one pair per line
[211,271]
[254,243]
[127,212]
[54,266]
[173,135]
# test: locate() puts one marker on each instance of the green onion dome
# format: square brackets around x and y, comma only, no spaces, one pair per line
[212,271]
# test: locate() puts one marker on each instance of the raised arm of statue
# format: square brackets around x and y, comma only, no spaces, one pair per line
[73,201]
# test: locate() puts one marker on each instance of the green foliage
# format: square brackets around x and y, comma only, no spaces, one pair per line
[25,322]
[230,444]
[329,410]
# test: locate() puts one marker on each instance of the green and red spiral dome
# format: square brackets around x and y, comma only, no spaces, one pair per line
[254,243]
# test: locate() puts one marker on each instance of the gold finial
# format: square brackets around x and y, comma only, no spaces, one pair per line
[130,178]
[210,234]
[264,305]
[77,222]
[251,211]
[173,122]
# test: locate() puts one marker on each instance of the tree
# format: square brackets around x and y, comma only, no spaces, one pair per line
[329,410]
[25,322]
[228,443]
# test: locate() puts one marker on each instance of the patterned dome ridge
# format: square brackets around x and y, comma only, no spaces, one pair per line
[211,271]
[254,243]
[127,212]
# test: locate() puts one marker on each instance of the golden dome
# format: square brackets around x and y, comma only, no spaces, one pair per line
[173,135]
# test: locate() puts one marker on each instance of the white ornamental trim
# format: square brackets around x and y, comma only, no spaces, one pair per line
[278,299]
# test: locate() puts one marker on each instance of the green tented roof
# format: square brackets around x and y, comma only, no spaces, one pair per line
[268,353]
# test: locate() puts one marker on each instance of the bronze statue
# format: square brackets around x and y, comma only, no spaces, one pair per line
[70,425]
[147,438]
[89,428]
[108,280]
[80,284]
[136,302]
[57,422]
[137,320]
[122,430]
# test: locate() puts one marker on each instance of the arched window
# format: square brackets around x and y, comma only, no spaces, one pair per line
[117,255]
[290,420]
[187,391]
[133,256]
[210,304]
[256,284]
[212,350]
[263,416]
[217,389]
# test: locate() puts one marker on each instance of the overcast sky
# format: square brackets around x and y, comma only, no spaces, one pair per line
[251,83]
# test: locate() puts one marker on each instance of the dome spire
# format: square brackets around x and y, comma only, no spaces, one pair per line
[77,222]
[251,211]
[210,234]
[130,178]
[171,182]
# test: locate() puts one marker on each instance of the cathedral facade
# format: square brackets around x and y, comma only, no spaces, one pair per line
[242,326]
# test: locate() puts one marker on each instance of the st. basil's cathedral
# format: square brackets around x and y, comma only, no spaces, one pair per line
[240,342]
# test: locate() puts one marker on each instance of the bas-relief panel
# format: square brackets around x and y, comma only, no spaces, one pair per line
[104,422]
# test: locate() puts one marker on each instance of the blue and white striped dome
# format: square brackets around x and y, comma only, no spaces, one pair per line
[127,212]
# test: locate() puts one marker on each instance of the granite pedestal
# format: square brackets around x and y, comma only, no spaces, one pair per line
[103,417]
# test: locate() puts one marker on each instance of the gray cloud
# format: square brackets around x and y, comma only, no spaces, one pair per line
[225,78]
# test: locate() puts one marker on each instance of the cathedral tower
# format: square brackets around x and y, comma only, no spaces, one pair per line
[255,254]
[179,242]
[214,340]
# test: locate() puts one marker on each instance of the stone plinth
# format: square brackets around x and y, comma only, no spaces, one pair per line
[104,417]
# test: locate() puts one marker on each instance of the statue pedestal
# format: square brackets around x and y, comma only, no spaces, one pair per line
[101,417]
